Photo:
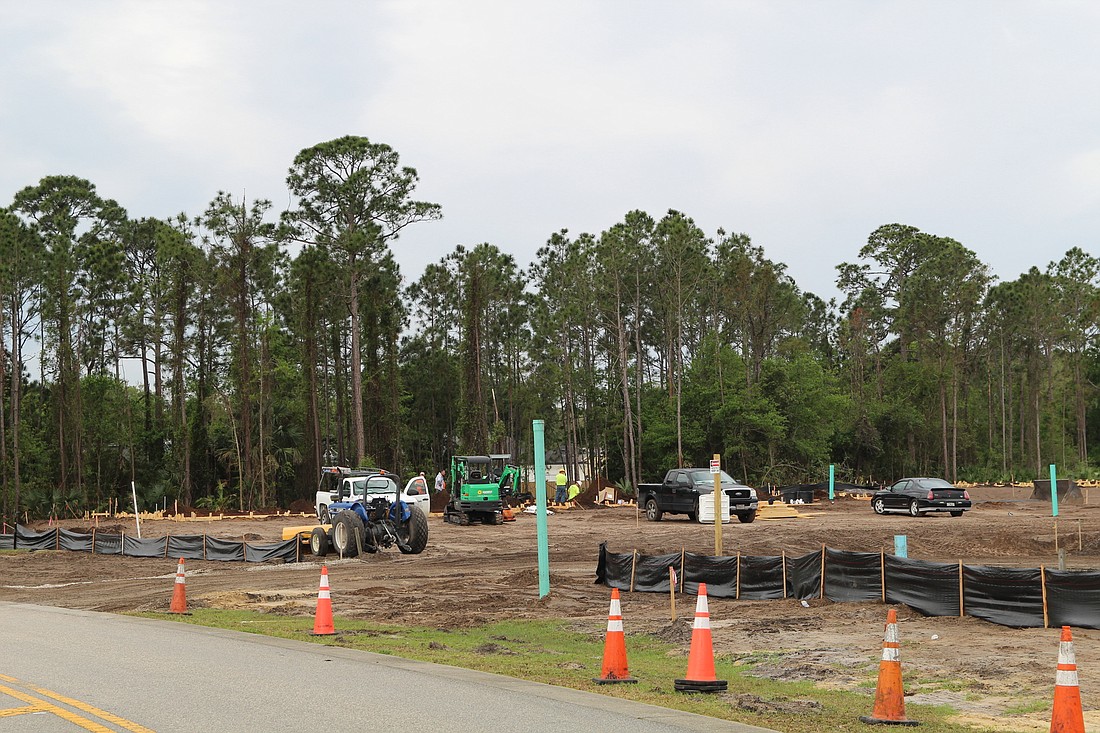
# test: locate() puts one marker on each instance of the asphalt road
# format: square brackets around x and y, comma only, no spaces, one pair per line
[68,670]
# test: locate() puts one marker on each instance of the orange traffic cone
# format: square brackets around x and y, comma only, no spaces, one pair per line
[889,696]
[700,675]
[614,647]
[179,591]
[1067,716]
[322,624]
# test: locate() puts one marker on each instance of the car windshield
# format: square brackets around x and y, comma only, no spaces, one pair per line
[935,483]
[372,485]
[706,478]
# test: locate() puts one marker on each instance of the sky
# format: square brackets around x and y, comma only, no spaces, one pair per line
[805,125]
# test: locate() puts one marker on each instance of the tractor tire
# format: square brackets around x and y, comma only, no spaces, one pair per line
[346,526]
[318,542]
[414,532]
[653,512]
[747,517]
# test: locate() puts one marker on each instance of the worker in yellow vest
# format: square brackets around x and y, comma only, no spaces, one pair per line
[559,482]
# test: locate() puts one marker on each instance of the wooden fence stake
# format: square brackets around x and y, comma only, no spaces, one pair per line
[672,591]
[882,572]
[784,573]
[1043,582]
[737,590]
[822,592]
[961,609]
[633,568]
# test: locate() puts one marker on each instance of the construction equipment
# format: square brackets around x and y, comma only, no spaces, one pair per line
[478,486]
[367,514]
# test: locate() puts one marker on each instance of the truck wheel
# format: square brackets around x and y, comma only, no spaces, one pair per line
[318,542]
[323,516]
[345,527]
[747,517]
[653,512]
[414,532]
[693,515]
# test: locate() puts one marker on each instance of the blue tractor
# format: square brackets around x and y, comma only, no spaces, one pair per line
[367,514]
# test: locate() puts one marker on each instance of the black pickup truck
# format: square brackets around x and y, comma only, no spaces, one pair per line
[684,488]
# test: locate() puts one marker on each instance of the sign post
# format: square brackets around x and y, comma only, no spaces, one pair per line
[1054,489]
[538,429]
[716,469]
[832,482]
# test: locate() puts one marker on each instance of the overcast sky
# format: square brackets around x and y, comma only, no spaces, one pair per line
[805,125]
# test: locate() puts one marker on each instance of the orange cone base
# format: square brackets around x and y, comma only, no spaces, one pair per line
[613,680]
[876,721]
[322,633]
[700,685]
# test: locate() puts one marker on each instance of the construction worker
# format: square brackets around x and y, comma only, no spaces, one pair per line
[559,482]
[574,491]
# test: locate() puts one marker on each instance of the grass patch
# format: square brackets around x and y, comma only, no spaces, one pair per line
[1037,706]
[555,653]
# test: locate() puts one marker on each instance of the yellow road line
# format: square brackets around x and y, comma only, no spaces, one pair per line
[37,705]
[7,712]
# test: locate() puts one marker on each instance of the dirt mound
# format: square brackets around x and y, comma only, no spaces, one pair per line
[302,506]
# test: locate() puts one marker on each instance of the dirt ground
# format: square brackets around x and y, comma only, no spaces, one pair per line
[471,575]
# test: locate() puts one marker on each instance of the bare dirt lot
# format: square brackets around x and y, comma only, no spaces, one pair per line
[471,575]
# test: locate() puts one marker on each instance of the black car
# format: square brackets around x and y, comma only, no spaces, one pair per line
[918,496]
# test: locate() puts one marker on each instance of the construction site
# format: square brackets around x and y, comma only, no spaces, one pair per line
[470,575]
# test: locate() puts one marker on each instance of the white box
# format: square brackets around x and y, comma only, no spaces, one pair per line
[706,508]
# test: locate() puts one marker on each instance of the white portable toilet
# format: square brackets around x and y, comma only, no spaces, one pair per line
[706,508]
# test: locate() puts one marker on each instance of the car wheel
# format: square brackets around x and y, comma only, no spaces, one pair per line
[914,510]
[956,514]
[879,506]
[653,512]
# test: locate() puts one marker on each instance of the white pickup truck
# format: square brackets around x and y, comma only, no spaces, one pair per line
[346,484]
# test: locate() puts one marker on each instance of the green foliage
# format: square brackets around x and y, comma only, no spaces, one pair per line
[211,363]
[222,501]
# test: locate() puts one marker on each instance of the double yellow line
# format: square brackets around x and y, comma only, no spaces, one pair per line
[43,705]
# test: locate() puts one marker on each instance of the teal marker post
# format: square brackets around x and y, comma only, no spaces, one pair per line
[538,427]
[1054,489]
[901,545]
[832,482]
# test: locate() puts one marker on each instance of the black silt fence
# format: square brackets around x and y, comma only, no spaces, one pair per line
[196,547]
[1019,597]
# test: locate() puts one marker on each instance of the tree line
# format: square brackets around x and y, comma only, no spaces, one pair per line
[269,344]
